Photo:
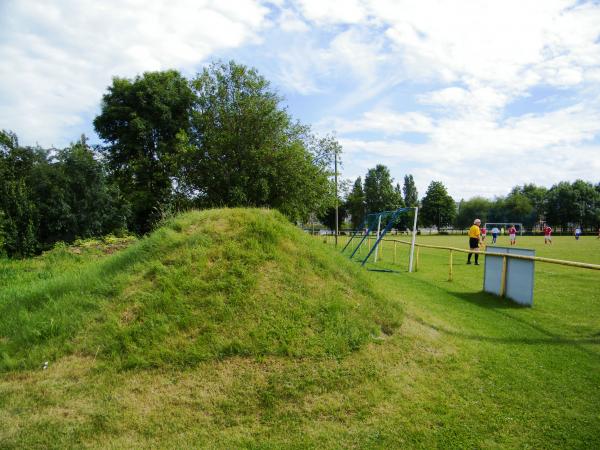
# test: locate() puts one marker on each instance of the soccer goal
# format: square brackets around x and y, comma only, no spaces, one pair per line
[504,226]
[379,224]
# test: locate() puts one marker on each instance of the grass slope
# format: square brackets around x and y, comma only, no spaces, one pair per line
[465,370]
[207,285]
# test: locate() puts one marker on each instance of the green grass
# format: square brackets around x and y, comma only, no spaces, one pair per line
[207,285]
[464,370]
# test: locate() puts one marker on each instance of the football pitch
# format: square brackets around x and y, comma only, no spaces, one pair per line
[521,376]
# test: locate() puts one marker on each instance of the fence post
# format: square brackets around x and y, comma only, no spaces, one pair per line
[417,260]
[503,278]
[450,273]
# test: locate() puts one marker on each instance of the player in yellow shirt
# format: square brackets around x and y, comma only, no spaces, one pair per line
[474,239]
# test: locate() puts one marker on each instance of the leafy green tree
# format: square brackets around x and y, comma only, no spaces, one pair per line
[245,150]
[518,208]
[469,210]
[328,217]
[411,196]
[143,122]
[438,208]
[561,201]
[399,199]
[20,219]
[355,204]
[380,194]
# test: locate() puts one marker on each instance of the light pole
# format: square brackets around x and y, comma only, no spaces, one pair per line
[336,200]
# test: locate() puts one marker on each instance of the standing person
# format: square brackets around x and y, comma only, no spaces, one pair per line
[483,233]
[495,233]
[512,233]
[577,233]
[474,237]
[547,234]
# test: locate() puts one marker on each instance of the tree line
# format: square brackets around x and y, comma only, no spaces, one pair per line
[221,138]
[563,205]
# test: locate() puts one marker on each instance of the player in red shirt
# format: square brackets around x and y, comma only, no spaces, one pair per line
[547,234]
[483,233]
[512,233]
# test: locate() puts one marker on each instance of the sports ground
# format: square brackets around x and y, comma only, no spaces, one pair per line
[233,329]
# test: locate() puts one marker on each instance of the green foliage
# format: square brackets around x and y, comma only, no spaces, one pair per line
[143,121]
[355,204]
[469,210]
[245,149]
[438,208]
[380,194]
[411,196]
[207,285]
[575,203]
[219,139]
[328,218]
[20,219]
[45,198]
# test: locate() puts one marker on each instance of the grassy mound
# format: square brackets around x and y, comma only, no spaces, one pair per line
[207,285]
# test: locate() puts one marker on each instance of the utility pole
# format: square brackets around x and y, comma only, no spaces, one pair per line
[336,199]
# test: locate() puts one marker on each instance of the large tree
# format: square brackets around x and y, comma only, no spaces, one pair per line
[20,218]
[438,208]
[355,204]
[75,197]
[570,204]
[244,149]
[143,122]
[469,210]
[380,194]
[411,196]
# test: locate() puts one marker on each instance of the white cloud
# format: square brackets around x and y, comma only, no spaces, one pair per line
[334,11]
[57,58]
[377,69]
[385,121]
[289,21]
[467,152]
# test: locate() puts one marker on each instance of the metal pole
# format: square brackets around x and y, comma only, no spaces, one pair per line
[378,232]
[412,244]
[450,273]
[337,231]
[395,243]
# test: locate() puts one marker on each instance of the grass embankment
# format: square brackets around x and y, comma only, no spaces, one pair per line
[465,370]
[206,285]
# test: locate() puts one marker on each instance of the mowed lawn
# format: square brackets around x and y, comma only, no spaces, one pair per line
[465,370]
[524,377]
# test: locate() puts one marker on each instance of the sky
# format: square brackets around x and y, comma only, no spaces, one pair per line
[477,94]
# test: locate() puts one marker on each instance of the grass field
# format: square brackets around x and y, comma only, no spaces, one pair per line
[389,360]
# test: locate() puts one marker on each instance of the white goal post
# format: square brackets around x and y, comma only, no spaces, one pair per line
[489,225]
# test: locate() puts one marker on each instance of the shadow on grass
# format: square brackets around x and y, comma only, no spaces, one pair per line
[488,301]
[509,310]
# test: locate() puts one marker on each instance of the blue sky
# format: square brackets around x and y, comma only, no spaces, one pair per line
[477,94]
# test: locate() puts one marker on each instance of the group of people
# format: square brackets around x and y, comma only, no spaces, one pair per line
[477,236]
